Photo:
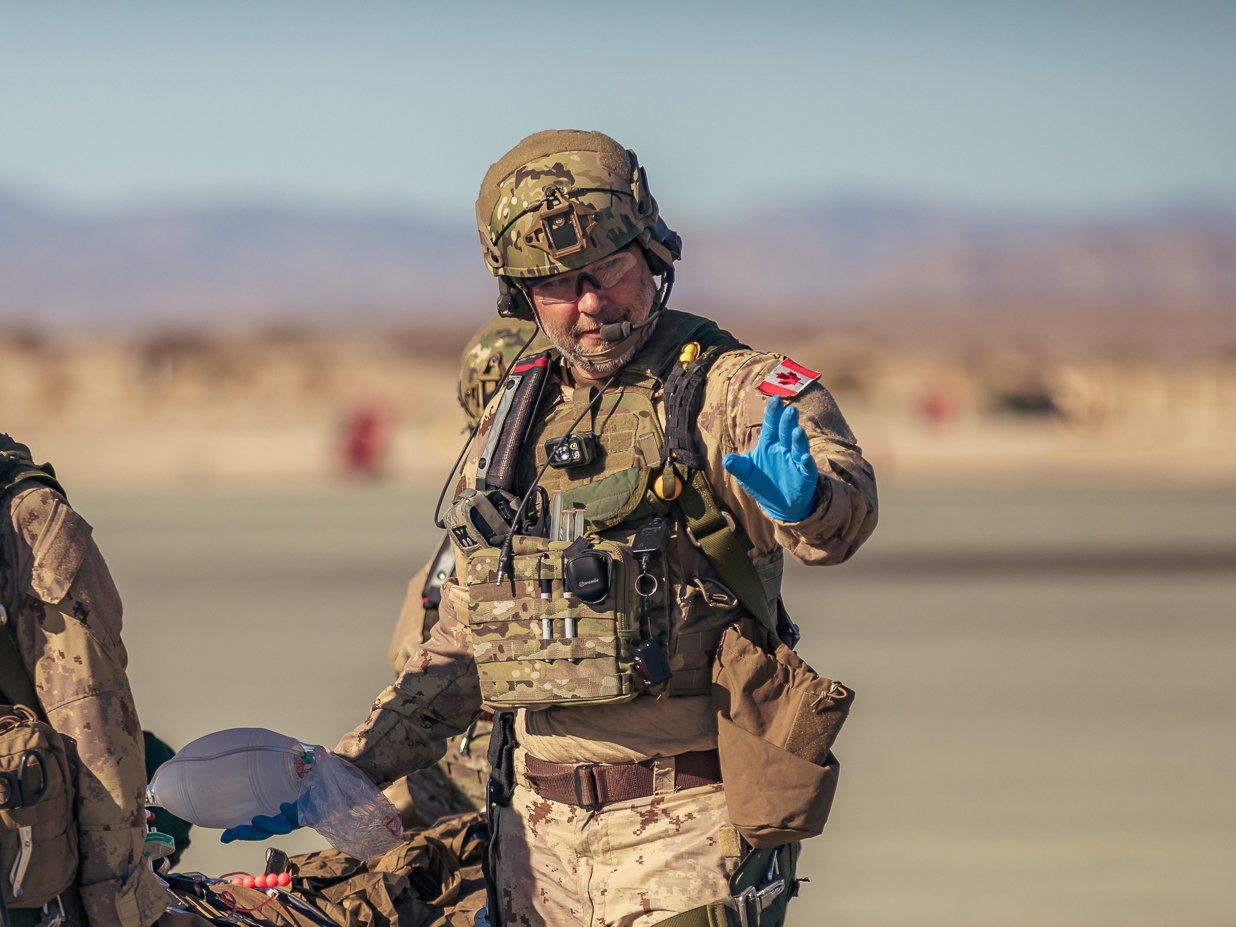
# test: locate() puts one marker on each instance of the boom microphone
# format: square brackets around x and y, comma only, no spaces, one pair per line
[618,331]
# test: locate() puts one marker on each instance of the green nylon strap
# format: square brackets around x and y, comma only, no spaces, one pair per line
[715,914]
[724,549]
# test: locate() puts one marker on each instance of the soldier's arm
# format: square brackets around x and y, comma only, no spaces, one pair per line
[435,697]
[68,629]
[729,422]
[409,631]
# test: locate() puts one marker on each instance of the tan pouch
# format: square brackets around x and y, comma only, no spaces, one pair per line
[38,842]
[776,724]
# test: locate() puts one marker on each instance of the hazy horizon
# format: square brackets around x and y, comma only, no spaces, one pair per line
[1078,109]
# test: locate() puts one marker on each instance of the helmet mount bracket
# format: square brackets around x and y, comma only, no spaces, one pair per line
[563,225]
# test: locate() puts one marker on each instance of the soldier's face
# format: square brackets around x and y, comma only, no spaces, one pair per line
[574,306]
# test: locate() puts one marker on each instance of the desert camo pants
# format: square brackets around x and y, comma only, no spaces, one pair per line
[627,864]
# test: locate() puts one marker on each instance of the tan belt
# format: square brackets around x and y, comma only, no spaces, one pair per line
[592,784]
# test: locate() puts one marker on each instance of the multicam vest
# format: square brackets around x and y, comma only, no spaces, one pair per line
[518,663]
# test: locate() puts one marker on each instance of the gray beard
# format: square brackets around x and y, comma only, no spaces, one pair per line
[604,368]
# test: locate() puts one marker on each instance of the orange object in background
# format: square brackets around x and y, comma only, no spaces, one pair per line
[365,438]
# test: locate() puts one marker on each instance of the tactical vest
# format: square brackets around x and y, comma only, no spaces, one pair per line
[535,643]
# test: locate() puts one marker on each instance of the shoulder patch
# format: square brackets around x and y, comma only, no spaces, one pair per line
[787,379]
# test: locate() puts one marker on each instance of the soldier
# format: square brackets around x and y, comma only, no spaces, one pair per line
[595,621]
[457,783]
[63,662]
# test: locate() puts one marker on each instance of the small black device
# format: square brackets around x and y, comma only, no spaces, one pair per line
[651,663]
[648,540]
[587,576]
[276,861]
[577,449]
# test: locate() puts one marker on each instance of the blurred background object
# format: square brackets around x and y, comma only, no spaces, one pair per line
[238,266]
[363,447]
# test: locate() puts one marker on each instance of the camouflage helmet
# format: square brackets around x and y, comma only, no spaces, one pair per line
[485,360]
[562,199]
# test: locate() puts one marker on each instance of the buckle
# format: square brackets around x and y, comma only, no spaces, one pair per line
[729,521]
[52,918]
[577,775]
[751,904]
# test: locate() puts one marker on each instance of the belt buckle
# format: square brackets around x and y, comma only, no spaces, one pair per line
[577,776]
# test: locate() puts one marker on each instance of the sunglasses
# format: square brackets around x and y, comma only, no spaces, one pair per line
[603,274]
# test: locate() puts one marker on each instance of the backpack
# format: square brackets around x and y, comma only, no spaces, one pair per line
[38,833]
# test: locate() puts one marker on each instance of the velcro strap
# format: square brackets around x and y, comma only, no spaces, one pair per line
[591,785]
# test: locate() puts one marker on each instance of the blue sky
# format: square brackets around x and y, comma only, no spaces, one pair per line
[1056,107]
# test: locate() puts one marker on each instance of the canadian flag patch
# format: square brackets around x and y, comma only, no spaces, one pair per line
[787,379]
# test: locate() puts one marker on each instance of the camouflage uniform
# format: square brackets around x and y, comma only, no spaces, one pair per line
[438,692]
[67,621]
[640,861]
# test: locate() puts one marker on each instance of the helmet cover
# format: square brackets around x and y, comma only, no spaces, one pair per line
[560,200]
[488,356]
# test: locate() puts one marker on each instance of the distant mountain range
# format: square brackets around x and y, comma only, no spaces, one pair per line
[268,265]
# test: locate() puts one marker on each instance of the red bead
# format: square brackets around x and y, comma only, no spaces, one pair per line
[238,880]
[285,879]
[259,882]
[248,882]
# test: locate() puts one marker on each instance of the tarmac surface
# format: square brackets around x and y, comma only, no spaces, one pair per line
[1045,723]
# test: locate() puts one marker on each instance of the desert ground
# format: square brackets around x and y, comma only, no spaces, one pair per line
[1040,632]
[1036,739]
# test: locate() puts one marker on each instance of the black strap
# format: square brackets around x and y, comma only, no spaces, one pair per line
[501,756]
[16,468]
[17,688]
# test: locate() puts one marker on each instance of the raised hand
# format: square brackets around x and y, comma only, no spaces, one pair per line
[780,473]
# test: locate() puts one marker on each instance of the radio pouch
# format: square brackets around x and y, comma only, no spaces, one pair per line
[560,629]
[38,841]
[776,724]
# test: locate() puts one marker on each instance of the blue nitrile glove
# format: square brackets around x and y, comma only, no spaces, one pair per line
[780,474]
[264,827]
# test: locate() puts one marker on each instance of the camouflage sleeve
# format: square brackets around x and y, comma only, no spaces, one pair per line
[409,630]
[729,422]
[68,628]
[435,697]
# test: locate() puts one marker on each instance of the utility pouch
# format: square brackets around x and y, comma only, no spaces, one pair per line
[559,629]
[38,841]
[776,724]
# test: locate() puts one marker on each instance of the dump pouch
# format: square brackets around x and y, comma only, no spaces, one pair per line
[38,840]
[537,641]
[776,724]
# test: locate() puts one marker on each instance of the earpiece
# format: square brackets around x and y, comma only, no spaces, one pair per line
[513,302]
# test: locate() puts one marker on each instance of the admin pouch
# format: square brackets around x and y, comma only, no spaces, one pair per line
[536,643]
[38,843]
[776,724]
